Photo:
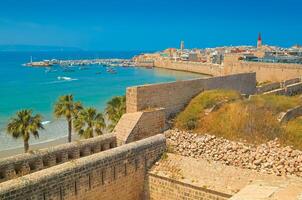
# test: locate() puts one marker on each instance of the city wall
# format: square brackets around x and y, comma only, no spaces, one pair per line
[196,67]
[116,174]
[175,95]
[27,163]
[275,72]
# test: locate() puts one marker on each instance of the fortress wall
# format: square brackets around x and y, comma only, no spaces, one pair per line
[196,67]
[139,125]
[275,72]
[117,174]
[26,163]
[164,188]
[175,95]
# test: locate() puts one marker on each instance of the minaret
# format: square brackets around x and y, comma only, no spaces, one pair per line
[182,45]
[259,42]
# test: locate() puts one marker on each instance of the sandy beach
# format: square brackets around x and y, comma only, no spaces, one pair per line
[19,150]
[55,133]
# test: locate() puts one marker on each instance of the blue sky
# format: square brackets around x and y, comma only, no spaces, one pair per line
[149,24]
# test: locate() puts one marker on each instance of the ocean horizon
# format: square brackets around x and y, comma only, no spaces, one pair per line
[32,88]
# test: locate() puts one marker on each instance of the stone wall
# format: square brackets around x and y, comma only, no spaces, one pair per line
[116,174]
[289,90]
[290,114]
[196,67]
[268,87]
[26,163]
[139,125]
[264,71]
[163,188]
[175,95]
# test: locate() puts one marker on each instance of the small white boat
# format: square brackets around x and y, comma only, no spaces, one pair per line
[65,78]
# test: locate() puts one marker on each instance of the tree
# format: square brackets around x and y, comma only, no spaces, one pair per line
[23,125]
[88,122]
[115,108]
[66,107]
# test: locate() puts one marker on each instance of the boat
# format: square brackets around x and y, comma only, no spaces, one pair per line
[111,70]
[65,78]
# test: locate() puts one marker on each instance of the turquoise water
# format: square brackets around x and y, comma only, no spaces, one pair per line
[32,88]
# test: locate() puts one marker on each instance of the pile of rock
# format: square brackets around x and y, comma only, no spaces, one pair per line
[270,157]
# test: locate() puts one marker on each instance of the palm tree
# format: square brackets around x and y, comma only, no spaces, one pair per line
[115,108]
[89,122]
[66,107]
[24,125]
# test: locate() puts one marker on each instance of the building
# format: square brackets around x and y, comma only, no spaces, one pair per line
[259,42]
[182,45]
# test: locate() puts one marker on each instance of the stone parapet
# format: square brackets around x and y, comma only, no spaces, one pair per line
[117,174]
[26,163]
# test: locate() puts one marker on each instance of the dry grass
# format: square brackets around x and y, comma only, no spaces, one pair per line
[253,120]
[293,133]
[188,119]
[242,121]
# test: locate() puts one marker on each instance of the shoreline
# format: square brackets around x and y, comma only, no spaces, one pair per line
[19,150]
[55,133]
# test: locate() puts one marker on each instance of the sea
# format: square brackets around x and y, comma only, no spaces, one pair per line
[33,88]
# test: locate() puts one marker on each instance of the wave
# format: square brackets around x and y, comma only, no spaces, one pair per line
[45,122]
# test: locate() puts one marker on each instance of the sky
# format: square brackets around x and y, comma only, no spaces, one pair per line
[149,24]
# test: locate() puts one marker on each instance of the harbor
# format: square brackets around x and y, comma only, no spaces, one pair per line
[115,62]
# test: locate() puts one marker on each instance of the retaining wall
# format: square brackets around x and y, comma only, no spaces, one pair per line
[26,163]
[290,114]
[268,87]
[289,90]
[175,95]
[116,174]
